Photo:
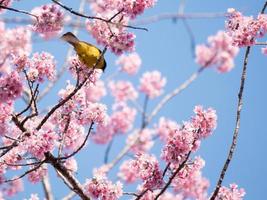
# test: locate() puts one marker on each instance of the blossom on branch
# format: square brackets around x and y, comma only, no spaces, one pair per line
[50,20]
[219,52]
[130,63]
[151,83]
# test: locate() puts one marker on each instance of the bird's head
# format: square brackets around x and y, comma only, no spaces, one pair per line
[70,38]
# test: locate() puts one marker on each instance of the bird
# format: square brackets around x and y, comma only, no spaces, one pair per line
[87,53]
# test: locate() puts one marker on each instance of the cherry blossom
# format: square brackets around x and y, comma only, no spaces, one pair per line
[219,52]
[50,20]
[41,65]
[130,63]
[123,90]
[10,87]
[101,188]
[245,30]
[37,175]
[151,83]
[147,168]
[232,193]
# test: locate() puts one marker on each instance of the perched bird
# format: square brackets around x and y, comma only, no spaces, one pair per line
[88,53]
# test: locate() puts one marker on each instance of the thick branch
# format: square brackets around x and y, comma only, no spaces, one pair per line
[76,186]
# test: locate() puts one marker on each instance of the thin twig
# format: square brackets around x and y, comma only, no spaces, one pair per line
[19,11]
[96,18]
[107,151]
[237,123]
[47,187]
[62,139]
[82,145]
[176,16]
[181,166]
[174,93]
[24,174]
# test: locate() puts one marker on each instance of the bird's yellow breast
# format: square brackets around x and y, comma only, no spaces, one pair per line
[89,54]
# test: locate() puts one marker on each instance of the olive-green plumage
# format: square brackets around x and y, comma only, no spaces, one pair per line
[88,53]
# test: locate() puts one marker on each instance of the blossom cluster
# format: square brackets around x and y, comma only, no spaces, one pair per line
[219,52]
[130,63]
[145,167]
[183,139]
[151,83]
[101,188]
[245,30]
[111,30]
[49,22]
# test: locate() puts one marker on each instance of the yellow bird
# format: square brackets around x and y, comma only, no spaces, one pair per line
[88,53]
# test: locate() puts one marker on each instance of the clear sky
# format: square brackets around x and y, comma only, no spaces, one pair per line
[166,47]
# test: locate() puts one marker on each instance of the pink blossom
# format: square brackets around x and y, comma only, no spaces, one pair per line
[205,121]
[103,189]
[41,66]
[6,3]
[76,67]
[10,87]
[94,112]
[116,38]
[130,63]
[123,90]
[130,8]
[73,136]
[41,141]
[166,128]
[127,172]
[190,182]
[50,20]
[264,50]
[232,193]
[151,83]
[6,110]
[245,30]
[14,187]
[94,91]
[177,146]
[103,134]
[15,42]
[122,118]
[219,52]
[37,175]
[71,164]
[144,142]
[147,168]
[20,61]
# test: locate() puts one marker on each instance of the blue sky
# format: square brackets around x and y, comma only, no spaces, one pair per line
[166,47]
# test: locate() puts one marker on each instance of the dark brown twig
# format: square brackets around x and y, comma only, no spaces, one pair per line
[18,11]
[27,172]
[237,123]
[96,18]
[74,183]
[80,147]
[181,166]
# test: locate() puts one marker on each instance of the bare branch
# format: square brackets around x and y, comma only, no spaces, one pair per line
[27,172]
[18,11]
[174,93]
[96,18]
[75,185]
[237,123]
[47,188]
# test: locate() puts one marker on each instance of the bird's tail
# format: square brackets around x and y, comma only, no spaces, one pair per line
[70,38]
